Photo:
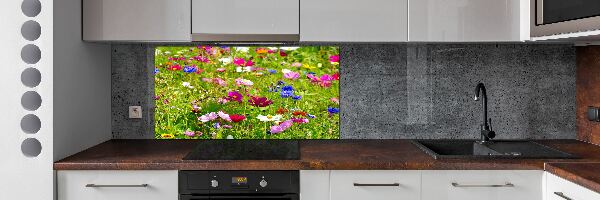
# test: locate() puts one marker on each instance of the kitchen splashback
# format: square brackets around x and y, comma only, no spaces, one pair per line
[408,90]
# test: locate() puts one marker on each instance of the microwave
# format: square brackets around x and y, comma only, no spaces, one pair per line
[554,17]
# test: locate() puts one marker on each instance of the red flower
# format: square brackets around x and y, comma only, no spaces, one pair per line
[237,118]
[260,101]
[282,53]
[336,76]
[296,113]
[175,67]
[282,111]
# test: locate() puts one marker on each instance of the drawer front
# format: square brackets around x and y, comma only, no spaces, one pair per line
[375,185]
[560,189]
[482,184]
[116,185]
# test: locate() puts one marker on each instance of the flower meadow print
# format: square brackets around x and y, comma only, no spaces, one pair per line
[221,92]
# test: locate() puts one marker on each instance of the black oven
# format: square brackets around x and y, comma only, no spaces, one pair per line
[238,185]
[554,17]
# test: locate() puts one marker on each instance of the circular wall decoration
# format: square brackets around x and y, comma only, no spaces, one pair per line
[31,124]
[31,100]
[31,30]
[31,54]
[31,77]
[31,147]
[31,8]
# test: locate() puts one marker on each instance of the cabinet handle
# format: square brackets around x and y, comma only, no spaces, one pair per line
[115,186]
[493,185]
[376,184]
[560,194]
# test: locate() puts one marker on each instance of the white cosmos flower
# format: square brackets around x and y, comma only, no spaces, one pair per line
[187,84]
[242,49]
[243,69]
[230,137]
[167,53]
[225,61]
[289,48]
[269,118]
[285,71]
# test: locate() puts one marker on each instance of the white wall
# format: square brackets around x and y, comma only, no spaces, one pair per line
[24,177]
[82,89]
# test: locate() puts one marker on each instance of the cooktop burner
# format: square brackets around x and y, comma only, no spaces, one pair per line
[245,150]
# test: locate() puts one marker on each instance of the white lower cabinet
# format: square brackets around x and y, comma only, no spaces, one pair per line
[560,189]
[117,185]
[482,185]
[375,185]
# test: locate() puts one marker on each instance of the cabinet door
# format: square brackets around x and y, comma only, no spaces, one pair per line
[482,184]
[117,185]
[468,20]
[560,189]
[136,20]
[238,19]
[314,185]
[353,20]
[375,185]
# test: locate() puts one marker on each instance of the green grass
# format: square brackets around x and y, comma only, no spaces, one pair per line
[174,114]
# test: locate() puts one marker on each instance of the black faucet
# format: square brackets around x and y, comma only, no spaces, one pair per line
[486,129]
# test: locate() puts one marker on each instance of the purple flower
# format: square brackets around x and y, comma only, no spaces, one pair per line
[311,116]
[272,71]
[297,97]
[217,125]
[156,70]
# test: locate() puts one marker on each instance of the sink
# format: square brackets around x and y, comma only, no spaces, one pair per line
[440,149]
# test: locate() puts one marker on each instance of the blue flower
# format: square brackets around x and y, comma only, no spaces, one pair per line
[286,93]
[312,73]
[297,97]
[156,70]
[272,71]
[287,88]
[189,69]
[311,116]
[333,110]
[280,83]
[217,125]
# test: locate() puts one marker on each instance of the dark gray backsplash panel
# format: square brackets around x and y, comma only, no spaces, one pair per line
[410,90]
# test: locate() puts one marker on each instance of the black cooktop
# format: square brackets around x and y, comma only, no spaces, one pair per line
[245,150]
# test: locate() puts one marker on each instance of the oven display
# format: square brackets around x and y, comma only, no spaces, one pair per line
[239,180]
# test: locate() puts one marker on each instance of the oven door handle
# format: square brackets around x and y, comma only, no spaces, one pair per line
[249,197]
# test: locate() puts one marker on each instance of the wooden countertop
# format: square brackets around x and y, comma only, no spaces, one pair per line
[331,155]
[584,174]
[315,154]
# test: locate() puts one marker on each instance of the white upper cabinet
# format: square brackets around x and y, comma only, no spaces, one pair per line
[245,20]
[353,20]
[136,20]
[468,20]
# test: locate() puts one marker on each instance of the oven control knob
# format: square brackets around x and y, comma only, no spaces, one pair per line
[263,183]
[214,183]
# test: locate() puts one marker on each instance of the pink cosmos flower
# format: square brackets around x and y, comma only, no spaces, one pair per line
[227,126]
[239,61]
[189,133]
[222,100]
[291,75]
[220,81]
[245,82]
[220,69]
[224,116]
[208,117]
[296,64]
[249,63]
[300,120]
[335,100]
[235,96]
[281,127]
[334,58]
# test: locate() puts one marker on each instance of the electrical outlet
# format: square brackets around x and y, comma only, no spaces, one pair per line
[135,112]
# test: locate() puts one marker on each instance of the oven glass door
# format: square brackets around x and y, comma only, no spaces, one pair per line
[241,197]
[554,11]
